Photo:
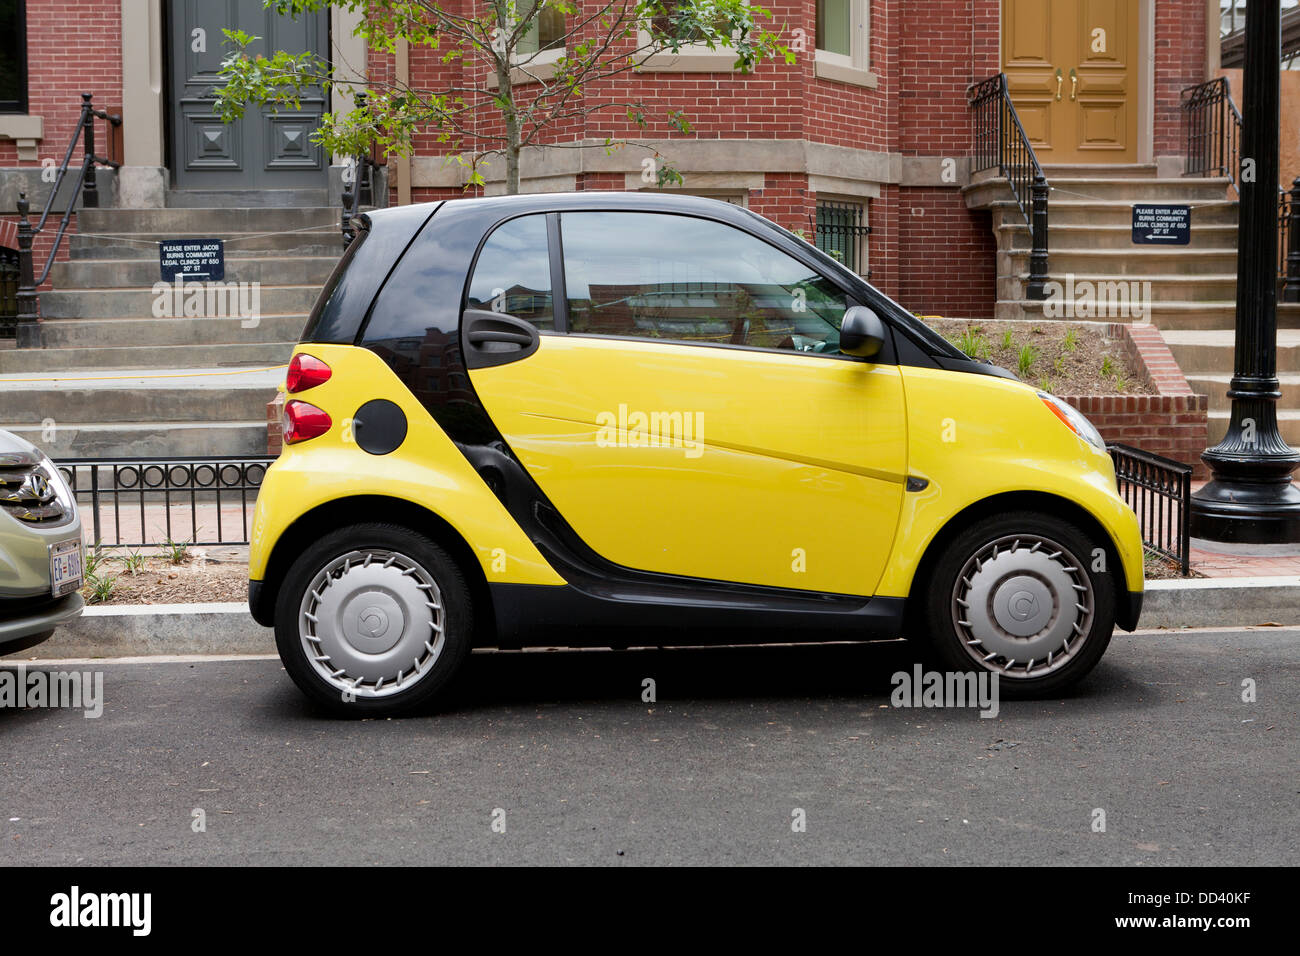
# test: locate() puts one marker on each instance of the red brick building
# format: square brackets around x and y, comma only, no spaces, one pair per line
[873,128]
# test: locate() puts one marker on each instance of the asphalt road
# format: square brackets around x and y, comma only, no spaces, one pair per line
[711,773]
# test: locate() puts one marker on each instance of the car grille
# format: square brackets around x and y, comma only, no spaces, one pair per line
[28,495]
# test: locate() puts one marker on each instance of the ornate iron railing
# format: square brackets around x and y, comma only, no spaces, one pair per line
[1212,128]
[1159,490]
[1000,142]
[28,330]
[142,502]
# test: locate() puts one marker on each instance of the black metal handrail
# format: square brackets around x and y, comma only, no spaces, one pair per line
[1212,125]
[133,502]
[1288,218]
[1000,142]
[1159,490]
[28,330]
[358,185]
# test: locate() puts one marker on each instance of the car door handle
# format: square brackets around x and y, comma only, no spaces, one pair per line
[495,338]
[480,336]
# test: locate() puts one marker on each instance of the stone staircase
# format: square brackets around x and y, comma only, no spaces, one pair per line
[1193,288]
[114,379]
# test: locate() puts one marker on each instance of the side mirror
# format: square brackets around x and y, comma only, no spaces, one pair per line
[861,332]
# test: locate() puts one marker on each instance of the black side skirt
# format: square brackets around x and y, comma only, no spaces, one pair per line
[531,615]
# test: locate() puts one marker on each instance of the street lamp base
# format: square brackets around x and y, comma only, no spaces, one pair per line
[1244,512]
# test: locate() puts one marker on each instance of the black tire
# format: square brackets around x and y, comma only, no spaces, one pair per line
[952,647]
[376,597]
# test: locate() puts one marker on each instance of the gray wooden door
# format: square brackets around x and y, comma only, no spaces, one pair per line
[265,149]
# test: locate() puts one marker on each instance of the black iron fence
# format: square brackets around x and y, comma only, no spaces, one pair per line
[1212,127]
[8,293]
[840,232]
[1159,490]
[1000,142]
[1288,250]
[146,502]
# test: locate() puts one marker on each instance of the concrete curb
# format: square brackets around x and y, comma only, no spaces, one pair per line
[136,630]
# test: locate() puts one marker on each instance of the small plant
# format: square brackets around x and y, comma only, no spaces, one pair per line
[1008,340]
[1107,367]
[94,558]
[1037,330]
[176,551]
[973,344]
[1058,366]
[133,562]
[100,587]
[1071,340]
[1026,358]
[1045,383]
[1121,382]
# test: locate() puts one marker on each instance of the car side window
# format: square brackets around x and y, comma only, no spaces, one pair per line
[661,276]
[513,273]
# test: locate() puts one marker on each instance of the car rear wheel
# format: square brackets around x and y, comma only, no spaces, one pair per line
[373,620]
[1022,596]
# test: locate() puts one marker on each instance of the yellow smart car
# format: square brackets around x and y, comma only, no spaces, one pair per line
[621,419]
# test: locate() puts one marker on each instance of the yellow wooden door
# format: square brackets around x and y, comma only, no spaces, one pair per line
[1072,72]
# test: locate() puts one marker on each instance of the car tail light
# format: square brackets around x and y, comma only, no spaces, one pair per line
[305,371]
[303,421]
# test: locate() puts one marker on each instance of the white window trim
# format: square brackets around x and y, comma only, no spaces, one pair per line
[854,69]
[530,68]
[691,58]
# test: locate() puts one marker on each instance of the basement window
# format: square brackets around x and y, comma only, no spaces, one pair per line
[841,232]
[13,56]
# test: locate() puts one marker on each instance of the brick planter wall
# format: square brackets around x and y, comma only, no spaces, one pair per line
[1172,422]
[275,425]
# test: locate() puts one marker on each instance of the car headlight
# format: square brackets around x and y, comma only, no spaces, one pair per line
[1075,419]
[61,489]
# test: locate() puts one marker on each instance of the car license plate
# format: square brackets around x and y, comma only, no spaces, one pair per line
[65,567]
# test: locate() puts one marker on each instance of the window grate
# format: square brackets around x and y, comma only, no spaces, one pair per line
[840,233]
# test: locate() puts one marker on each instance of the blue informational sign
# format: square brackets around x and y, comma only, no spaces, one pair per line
[197,259]
[1162,225]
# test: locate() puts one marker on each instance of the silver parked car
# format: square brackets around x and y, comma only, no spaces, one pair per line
[41,555]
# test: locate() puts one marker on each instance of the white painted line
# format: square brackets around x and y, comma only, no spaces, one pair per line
[146,610]
[1201,584]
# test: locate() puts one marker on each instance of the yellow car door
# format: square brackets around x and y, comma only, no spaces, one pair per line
[686,409]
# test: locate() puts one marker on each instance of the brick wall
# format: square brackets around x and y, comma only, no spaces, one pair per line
[73,47]
[1180,51]
[1172,422]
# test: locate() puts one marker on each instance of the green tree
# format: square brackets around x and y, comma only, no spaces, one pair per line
[599,41]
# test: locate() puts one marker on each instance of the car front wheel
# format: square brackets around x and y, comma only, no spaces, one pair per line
[1027,597]
[373,620]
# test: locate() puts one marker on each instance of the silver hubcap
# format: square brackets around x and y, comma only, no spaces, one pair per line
[1023,606]
[372,623]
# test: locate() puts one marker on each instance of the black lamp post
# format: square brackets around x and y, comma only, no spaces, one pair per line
[1251,499]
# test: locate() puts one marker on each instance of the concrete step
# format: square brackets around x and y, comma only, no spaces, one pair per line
[1072,237]
[1288,424]
[128,273]
[1066,212]
[316,241]
[1099,171]
[1139,189]
[215,222]
[1210,351]
[141,333]
[1208,315]
[1216,387]
[34,361]
[1173,288]
[1135,261]
[274,198]
[139,303]
[71,400]
[97,440]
